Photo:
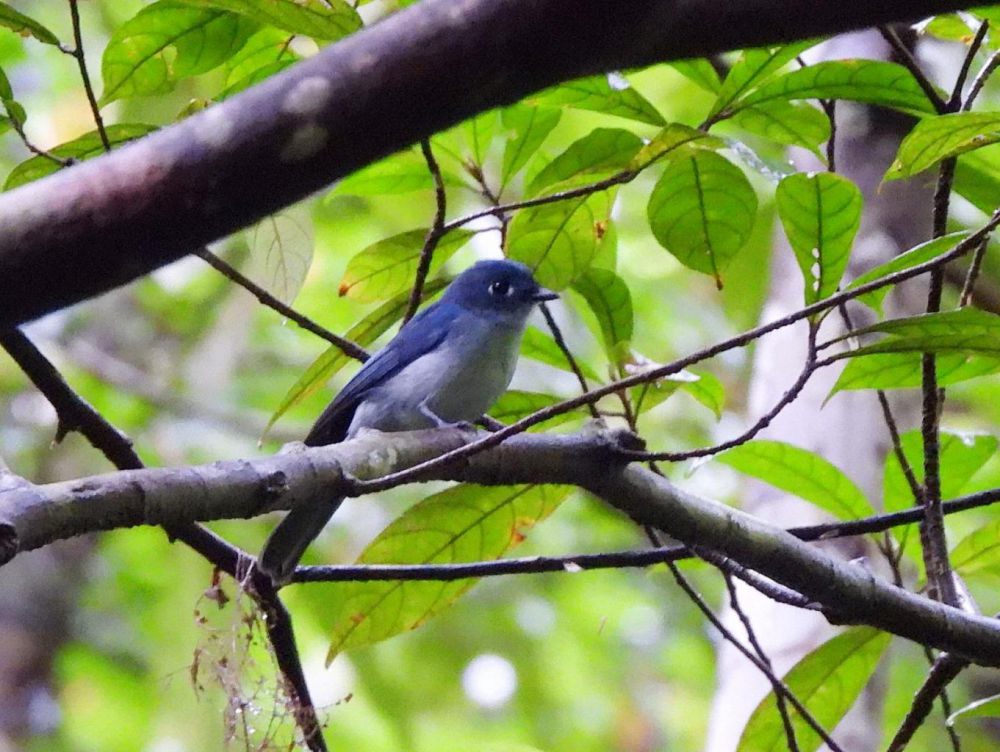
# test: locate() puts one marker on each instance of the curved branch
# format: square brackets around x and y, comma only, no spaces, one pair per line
[105,222]
[243,488]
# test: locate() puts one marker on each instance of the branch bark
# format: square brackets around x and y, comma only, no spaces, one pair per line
[100,224]
[37,515]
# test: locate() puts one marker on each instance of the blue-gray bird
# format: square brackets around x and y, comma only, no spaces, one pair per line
[447,365]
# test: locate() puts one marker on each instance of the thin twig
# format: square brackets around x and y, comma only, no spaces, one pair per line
[350,349]
[540,416]
[557,335]
[737,608]
[972,275]
[955,102]
[760,583]
[790,395]
[81,61]
[910,62]
[944,671]
[434,234]
[980,80]
[830,108]
[778,685]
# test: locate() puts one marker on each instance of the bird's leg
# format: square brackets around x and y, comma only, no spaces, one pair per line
[440,422]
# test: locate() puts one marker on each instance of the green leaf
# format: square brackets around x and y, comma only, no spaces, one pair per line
[870,81]
[961,455]
[320,19]
[539,346]
[788,123]
[903,370]
[609,298]
[596,93]
[404,172]
[603,150]
[828,681]
[707,390]
[559,240]
[978,553]
[700,71]
[800,472]
[936,138]
[988,707]
[265,53]
[702,211]
[387,268]
[670,141]
[281,251]
[25,26]
[329,363]
[464,523]
[821,213]
[515,404]
[913,257]
[977,179]
[168,41]
[948,26]
[967,330]
[86,146]
[530,127]
[752,68]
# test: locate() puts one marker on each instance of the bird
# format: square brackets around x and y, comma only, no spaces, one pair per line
[445,366]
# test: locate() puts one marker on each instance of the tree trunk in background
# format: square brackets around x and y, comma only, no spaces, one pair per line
[850,430]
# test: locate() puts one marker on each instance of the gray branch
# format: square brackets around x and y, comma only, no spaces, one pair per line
[105,222]
[34,516]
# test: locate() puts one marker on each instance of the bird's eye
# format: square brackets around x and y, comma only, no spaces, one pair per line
[499,288]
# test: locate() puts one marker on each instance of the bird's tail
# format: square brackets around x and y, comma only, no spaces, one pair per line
[289,540]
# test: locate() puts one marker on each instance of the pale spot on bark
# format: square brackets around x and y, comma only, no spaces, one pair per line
[213,127]
[307,97]
[306,141]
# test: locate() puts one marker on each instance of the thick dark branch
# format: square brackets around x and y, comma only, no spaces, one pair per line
[242,488]
[122,215]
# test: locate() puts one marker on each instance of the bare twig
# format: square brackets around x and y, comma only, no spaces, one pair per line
[780,702]
[351,349]
[955,102]
[972,275]
[980,80]
[434,234]
[907,59]
[81,61]
[779,686]
[557,335]
[944,671]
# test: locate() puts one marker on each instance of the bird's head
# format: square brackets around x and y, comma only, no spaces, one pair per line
[497,286]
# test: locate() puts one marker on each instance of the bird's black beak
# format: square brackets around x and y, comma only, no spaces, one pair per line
[541,295]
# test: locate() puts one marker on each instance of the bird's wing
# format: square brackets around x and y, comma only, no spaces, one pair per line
[420,335]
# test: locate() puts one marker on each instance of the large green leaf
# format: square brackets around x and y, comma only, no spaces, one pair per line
[828,681]
[25,26]
[977,178]
[978,553]
[320,19]
[967,330]
[168,41]
[281,251]
[530,127]
[387,268]
[603,150]
[670,141]
[366,331]
[870,81]
[913,257]
[789,123]
[265,53]
[403,172]
[86,146]
[609,298]
[702,210]
[961,457]
[540,346]
[801,472]
[596,93]
[821,213]
[904,370]
[558,240]
[751,69]
[700,71]
[936,138]
[464,523]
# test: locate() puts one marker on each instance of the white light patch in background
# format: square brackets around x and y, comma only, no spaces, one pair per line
[489,681]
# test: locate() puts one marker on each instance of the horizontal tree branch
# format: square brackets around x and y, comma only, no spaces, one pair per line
[32,516]
[102,223]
